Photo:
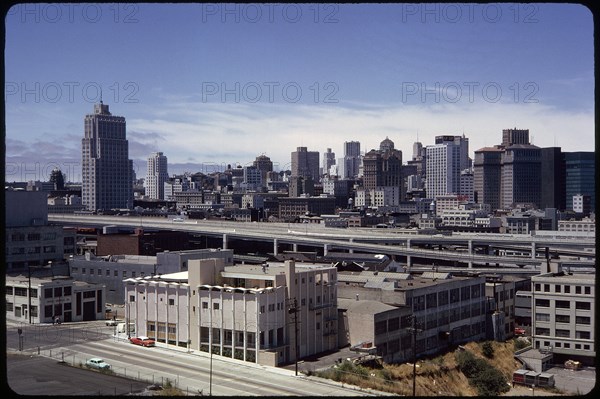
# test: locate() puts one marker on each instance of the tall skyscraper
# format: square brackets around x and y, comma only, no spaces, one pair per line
[305,164]
[445,160]
[328,161]
[383,168]
[487,176]
[521,174]
[106,170]
[553,177]
[349,165]
[579,177]
[157,176]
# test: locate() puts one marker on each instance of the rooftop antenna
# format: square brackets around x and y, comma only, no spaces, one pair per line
[101,95]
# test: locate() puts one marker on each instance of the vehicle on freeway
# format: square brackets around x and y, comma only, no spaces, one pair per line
[113,322]
[143,341]
[97,363]
[178,220]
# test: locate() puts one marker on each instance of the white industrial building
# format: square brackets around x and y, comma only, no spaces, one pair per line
[247,312]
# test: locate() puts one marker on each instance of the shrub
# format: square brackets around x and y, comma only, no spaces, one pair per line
[487,349]
[486,379]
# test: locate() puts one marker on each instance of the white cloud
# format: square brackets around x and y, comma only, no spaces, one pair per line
[240,132]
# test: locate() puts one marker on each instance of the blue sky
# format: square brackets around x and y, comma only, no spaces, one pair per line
[215,84]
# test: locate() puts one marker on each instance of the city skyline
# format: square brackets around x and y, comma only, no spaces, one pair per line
[247,80]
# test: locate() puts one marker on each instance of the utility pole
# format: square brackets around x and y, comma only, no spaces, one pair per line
[293,309]
[414,331]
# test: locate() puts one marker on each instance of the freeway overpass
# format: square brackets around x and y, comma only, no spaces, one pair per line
[387,242]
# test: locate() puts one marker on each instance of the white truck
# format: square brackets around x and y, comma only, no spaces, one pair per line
[122,329]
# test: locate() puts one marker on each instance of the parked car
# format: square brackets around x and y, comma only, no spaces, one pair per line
[520,331]
[143,341]
[97,363]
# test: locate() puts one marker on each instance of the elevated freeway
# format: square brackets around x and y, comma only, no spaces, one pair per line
[388,242]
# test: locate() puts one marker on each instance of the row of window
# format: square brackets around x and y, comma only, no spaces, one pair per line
[435,299]
[54,292]
[563,333]
[48,249]
[566,345]
[545,303]
[107,272]
[563,318]
[560,288]
[33,236]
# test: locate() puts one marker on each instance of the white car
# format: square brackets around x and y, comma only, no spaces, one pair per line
[97,363]
[113,322]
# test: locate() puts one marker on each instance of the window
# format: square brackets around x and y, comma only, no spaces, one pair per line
[567,289]
[124,273]
[99,272]
[562,333]
[67,291]
[582,320]
[582,334]
[537,287]
[131,298]
[588,290]
[116,273]
[563,304]
[108,272]
[542,303]
[557,288]
[578,290]
[546,287]
[563,318]
[171,301]
[262,308]
[542,331]
[204,305]
[582,305]
[133,274]
[215,305]
[91,272]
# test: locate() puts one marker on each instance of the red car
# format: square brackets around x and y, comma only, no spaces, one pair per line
[520,331]
[143,341]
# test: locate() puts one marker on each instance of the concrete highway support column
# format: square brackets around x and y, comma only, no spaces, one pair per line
[351,250]
[533,250]
[408,263]
[275,252]
[325,248]
[295,247]
[224,241]
[470,254]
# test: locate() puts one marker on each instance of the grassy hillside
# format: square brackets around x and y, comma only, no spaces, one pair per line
[435,377]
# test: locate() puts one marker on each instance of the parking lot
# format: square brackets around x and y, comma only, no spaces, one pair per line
[577,382]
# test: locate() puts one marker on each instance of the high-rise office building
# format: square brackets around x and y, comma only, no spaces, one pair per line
[349,165]
[514,136]
[106,170]
[305,164]
[157,176]
[383,168]
[521,174]
[265,165]
[552,193]
[328,161]
[487,176]
[579,177]
[445,160]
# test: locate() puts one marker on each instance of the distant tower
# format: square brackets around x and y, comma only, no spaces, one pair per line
[305,164]
[328,160]
[106,169]
[157,176]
